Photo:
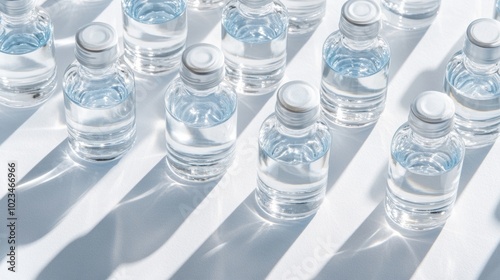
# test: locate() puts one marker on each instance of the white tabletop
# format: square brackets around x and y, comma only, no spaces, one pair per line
[130,220]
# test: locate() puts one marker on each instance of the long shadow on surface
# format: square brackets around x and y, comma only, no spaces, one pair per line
[295,44]
[140,224]
[346,142]
[69,15]
[50,190]
[492,269]
[200,24]
[377,251]
[472,161]
[245,246]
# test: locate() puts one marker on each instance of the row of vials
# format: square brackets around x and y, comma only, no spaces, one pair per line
[294,143]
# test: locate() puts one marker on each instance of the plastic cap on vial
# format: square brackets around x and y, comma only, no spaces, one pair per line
[297,105]
[16,7]
[360,19]
[96,45]
[431,114]
[202,66]
[482,43]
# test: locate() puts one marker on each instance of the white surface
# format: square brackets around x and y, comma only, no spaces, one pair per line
[130,220]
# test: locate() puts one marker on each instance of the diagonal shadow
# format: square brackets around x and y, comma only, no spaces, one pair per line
[492,269]
[430,79]
[245,246]
[12,118]
[295,43]
[402,44]
[473,159]
[50,190]
[346,142]
[140,224]
[201,23]
[69,15]
[248,108]
[376,251]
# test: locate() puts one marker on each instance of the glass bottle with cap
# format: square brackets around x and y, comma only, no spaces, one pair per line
[410,14]
[99,97]
[425,165]
[154,35]
[294,150]
[205,4]
[304,16]
[254,35]
[200,116]
[472,80]
[355,67]
[27,54]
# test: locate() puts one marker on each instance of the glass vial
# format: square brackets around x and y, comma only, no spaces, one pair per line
[201,116]
[410,14]
[99,97]
[27,54]
[497,9]
[472,80]
[355,67]
[205,4]
[294,150]
[155,34]
[254,34]
[426,161]
[304,16]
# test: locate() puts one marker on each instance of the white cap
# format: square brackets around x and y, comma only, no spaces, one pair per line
[360,19]
[482,44]
[202,66]
[297,105]
[96,45]
[431,114]
[16,7]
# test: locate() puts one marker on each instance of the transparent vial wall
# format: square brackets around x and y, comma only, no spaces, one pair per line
[201,116]
[27,54]
[154,35]
[410,14]
[99,97]
[294,151]
[254,37]
[425,165]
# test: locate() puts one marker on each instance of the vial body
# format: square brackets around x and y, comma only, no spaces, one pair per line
[304,16]
[27,59]
[205,4]
[100,111]
[354,80]
[410,14]
[475,89]
[254,45]
[423,179]
[155,34]
[292,169]
[200,130]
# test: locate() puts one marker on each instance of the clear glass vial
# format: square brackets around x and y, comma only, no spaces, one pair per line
[304,16]
[425,165]
[27,54]
[99,97]
[155,34]
[254,35]
[205,4]
[355,67]
[473,82]
[410,14]
[497,10]
[201,116]
[294,151]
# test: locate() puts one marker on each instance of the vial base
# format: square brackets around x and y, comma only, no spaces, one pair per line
[409,16]
[203,5]
[26,96]
[288,205]
[478,134]
[351,113]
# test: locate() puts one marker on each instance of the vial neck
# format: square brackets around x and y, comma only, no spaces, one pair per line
[17,19]
[97,73]
[478,68]
[200,92]
[255,6]
[293,132]
[359,44]
[428,142]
